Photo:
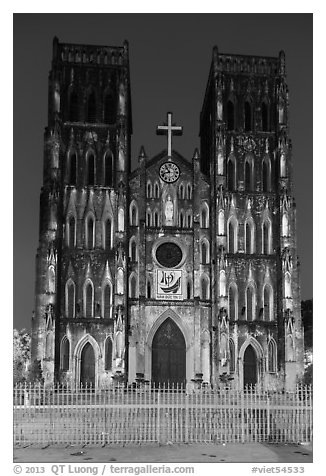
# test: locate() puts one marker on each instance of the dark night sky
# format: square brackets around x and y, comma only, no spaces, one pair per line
[170,56]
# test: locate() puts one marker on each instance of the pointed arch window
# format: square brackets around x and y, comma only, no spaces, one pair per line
[72,178]
[108,354]
[156,219]
[265,116]
[189,191]
[248,116]
[204,252]
[204,288]
[230,115]
[133,250]
[231,174]
[268,303]
[266,175]
[181,219]
[73,106]
[91,107]
[148,218]
[272,356]
[156,190]
[232,236]
[249,173]
[107,301]
[90,224]
[204,217]
[110,108]
[90,169]
[133,214]
[132,287]
[108,170]
[70,299]
[232,356]
[233,302]
[250,236]
[222,283]
[64,353]
[189,219]
[267,236]
[181,191]
[89,300]
[149,190]
[250,303]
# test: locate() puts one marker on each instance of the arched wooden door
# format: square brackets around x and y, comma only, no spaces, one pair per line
[87,368]
[168,355]
[250,367]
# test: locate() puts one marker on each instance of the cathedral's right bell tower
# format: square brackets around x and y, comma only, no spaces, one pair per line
[246,152]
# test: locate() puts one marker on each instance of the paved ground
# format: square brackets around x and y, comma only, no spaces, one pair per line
[192,453]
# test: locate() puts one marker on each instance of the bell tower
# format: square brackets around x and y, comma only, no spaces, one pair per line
[246,153]
[81,260]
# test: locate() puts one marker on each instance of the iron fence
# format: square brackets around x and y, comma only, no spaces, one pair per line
[85,415]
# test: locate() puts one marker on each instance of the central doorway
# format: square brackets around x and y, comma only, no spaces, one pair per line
[87,369]
[168,355]
[250,367]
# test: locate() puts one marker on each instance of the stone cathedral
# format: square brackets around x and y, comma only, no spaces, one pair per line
[185,269]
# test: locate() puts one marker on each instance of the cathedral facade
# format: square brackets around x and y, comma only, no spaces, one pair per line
[184,270]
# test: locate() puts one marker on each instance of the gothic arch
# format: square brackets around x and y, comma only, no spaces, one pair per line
[71,222]
[90,231]
[169,313]
[88,298]
[272,356]
[149,189]
[204,287]
[90,167]
[204,251]
[70,298]
[268,302]
[204,216]
[133,288]
[108,353]
[266,236]
[233,301]
[107,297]
[133,251]
[231,173]
[251,301]
[266,174]
[65,353]
[108,169]
[249,173]
[87,338]
[133,211]
[71,171]
[251,341]
[250,235]
[232,228]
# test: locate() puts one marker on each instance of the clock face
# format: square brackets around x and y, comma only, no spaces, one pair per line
[169,172]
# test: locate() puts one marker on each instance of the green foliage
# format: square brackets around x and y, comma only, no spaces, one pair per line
[21,354]
[35,374]
[307,320]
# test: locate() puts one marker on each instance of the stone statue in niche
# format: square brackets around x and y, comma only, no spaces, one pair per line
[169,211]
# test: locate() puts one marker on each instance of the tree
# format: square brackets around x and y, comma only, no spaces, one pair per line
[21,353]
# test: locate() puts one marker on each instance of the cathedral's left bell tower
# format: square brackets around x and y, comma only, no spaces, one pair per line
[78,329]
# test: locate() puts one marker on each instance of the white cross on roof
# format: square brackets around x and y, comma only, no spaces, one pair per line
[169,129]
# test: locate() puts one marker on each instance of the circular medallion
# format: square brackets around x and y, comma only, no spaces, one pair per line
[169,254]
[169,172]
